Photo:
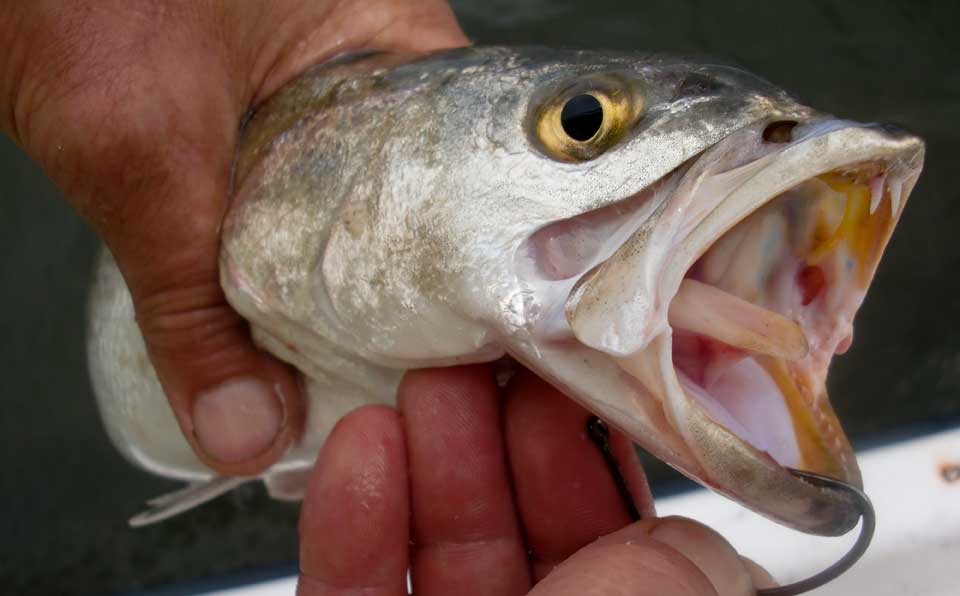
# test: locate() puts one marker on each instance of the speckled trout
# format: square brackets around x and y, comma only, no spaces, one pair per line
[677,245]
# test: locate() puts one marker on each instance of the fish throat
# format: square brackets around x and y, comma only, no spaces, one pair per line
[760,315]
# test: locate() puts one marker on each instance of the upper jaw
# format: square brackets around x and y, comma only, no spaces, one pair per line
[623,315]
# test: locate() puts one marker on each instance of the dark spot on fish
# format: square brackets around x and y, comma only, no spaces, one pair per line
[582,117]
[696,84]
[779,132]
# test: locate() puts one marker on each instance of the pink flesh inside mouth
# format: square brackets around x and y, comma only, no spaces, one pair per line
[761,313]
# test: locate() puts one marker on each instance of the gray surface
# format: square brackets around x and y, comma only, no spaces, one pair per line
[65,494]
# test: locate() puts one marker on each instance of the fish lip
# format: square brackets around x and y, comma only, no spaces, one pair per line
[801,505]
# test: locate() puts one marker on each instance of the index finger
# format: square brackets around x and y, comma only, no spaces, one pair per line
[354,521]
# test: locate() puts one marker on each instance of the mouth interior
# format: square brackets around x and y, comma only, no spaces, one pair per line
[761,313]
[753,325]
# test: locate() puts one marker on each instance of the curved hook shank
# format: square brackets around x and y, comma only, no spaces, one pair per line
[868,525]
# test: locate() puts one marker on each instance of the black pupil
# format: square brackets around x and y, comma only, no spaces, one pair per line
[581,117]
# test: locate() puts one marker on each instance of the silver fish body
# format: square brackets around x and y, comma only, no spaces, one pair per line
[685,268]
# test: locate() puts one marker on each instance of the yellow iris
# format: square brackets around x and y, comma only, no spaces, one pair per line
[621,104]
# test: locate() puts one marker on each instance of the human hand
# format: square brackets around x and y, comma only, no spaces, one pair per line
[132,108]
[479,495]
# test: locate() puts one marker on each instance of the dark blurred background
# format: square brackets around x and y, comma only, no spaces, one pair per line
[65,494]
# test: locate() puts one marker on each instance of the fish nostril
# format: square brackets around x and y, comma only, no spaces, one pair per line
[780,131]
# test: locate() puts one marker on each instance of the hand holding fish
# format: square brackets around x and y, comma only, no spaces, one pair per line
[676,244]
[133,110]
[507,495]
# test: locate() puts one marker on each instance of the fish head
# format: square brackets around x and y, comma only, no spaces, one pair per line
[676,244]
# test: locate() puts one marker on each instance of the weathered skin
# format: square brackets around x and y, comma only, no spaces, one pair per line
[396,212]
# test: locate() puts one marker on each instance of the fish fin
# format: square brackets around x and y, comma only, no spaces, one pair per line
[193,495]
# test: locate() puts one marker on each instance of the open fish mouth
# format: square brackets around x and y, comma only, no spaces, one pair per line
[717,299]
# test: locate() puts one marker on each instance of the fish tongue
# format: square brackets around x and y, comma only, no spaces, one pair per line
[708,310]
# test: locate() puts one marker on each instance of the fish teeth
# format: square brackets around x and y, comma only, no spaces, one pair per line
[896,190]
[707,310]
[876,192]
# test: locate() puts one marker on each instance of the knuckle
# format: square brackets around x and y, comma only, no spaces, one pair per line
[190,322]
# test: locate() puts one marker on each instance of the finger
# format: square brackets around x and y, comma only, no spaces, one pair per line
[662,557]
[564,490]
[634,476]
[466,539]
[354,521]
[760,576]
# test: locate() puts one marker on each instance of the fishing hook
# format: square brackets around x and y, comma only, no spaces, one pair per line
[599,433]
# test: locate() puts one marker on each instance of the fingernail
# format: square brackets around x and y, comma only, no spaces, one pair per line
[237,420]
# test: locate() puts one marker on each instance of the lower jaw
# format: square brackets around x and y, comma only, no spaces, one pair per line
[775,405]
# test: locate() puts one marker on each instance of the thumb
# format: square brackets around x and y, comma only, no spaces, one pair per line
[156,189]
[238,407]
[138,130]
[655,557]
[160,210]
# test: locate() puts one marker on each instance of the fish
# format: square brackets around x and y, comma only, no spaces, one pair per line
[675,243]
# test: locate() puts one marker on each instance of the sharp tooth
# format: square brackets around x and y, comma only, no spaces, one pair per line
[876,191]
[709,311]
[896,189]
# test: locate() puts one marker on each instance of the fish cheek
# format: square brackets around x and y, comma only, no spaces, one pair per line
[394,291]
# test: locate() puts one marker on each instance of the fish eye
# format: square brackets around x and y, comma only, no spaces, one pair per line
[582,117]
[586,118]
